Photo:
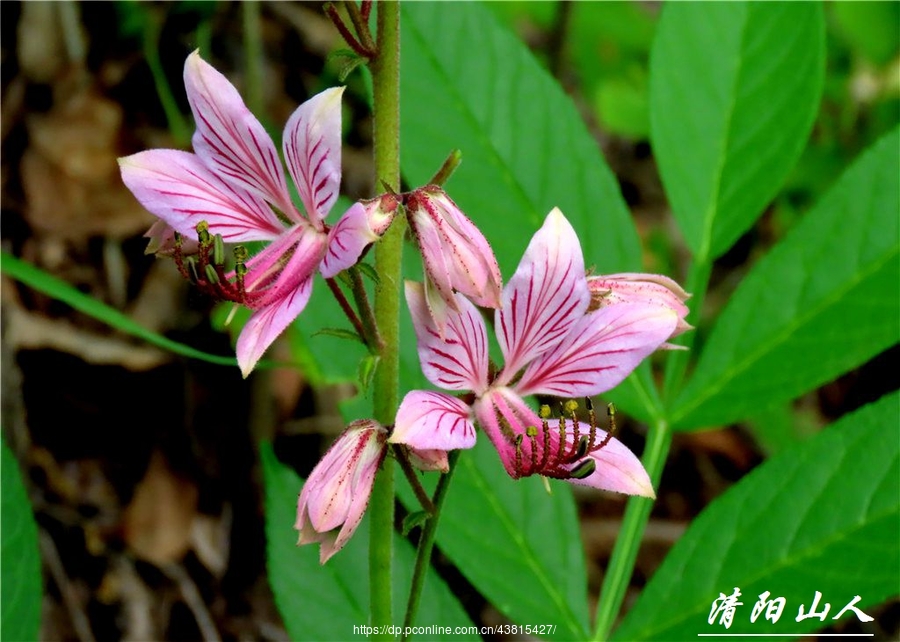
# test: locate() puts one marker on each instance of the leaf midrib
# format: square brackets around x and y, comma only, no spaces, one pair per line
[515,535]
[779,338]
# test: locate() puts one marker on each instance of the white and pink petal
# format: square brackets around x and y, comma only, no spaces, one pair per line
[347,240]
[428,421]
[229,138]
[267,323]
[599,351]
[546,296]
[178,188]
[459,359]
[312,150]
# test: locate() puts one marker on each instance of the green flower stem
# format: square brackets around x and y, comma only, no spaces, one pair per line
[178,125]
[253,55]
[370,325]
[621,565]
[385,67]
[413,479]
[697,282]
[426,544]
[347,309]
[447,169]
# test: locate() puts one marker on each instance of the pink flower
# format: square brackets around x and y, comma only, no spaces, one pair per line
[630,287]
[234,184]
[334,497]
[456,255]
[552,344]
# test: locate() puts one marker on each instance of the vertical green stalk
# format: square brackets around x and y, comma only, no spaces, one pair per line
[385,67]
[621,565]
[253,54]
[697,282]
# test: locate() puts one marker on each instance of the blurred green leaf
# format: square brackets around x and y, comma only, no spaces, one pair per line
[623,107]
[869,28]
[517,543]
[324,602]
[58,289]
[734,91]
[823,301]
[525,148]
[820,517]
[20,561]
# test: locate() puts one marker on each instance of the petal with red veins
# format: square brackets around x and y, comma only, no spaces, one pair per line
[459,360]
[312,150]
[617,468]
[599,351]
[433,421]
[266,323]
[347,240]
[229,139]
[544,298]
[178,188]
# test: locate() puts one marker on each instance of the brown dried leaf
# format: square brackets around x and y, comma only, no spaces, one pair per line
[157,522]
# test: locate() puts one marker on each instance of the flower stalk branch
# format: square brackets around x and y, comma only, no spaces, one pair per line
[426,545]
[413,479]
[347,309]
[369,324]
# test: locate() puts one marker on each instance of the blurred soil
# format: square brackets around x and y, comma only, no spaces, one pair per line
[137,461]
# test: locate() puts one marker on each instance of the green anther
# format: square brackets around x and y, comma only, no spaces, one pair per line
[218,250]
[582,447]
[191,264]
[203,233]
[211,275]
[241,254]
[240,269]
[531,431]
[584,469]
[570,406]
[545,411]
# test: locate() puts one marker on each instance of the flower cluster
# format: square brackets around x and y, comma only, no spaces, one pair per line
[233,188]
[554,341]
[562,333]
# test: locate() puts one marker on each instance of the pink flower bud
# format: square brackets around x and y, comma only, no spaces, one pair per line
[336,494]
[634,287]
[457,257]
[380,212]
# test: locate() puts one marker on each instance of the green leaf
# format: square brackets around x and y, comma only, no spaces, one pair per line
[734,90]
[525,148]
[820,517]
[340,333]
[520,546]
[58,289]
[20,561]
[324,602]
[822,302]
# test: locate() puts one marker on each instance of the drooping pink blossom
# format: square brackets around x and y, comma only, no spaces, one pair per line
[456,255]
[334,497]
[234,185]
[552,344]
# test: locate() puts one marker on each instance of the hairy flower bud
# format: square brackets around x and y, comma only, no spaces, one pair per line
[457,257]
[334,498]
[380,212]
